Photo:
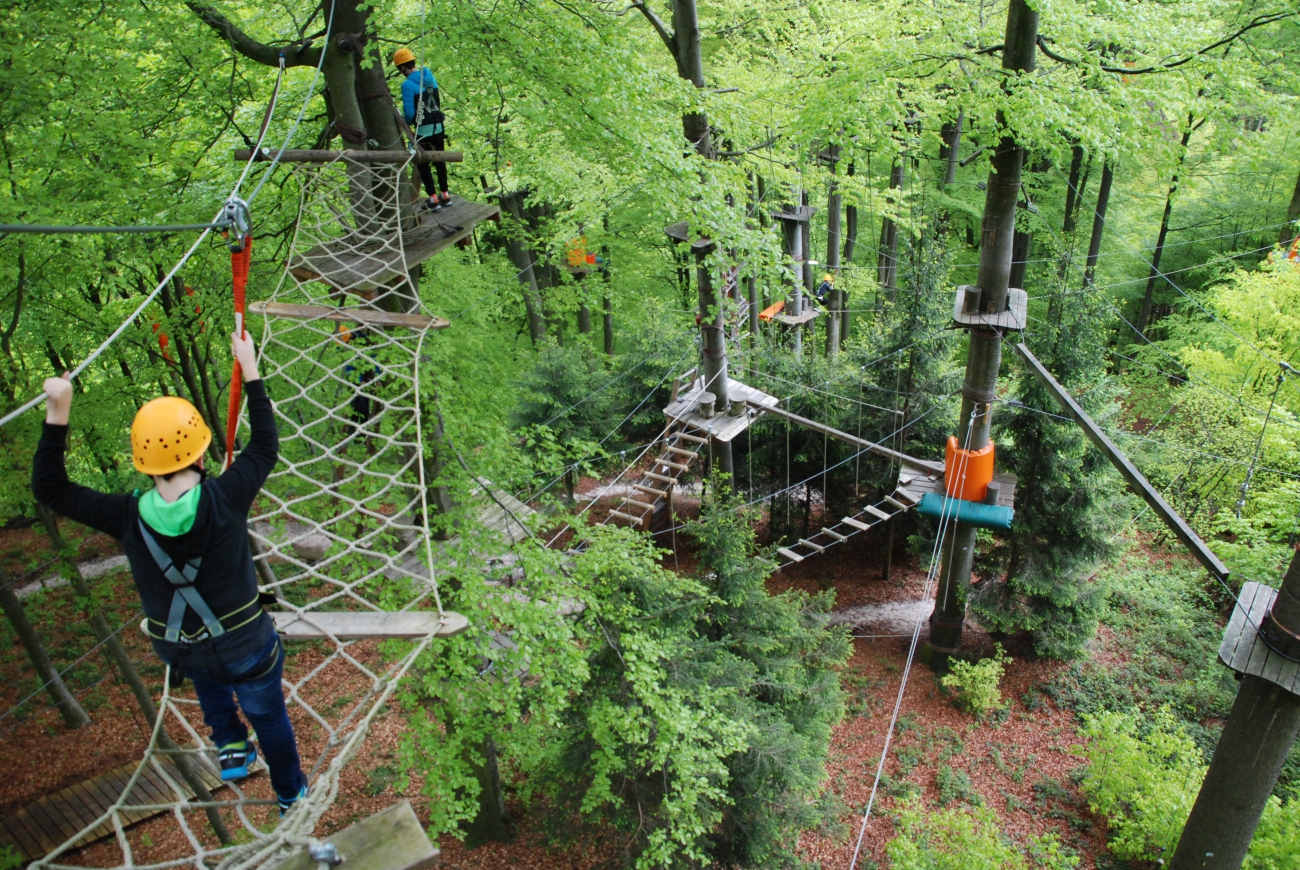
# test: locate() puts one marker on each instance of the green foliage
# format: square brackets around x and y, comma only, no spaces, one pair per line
[705,720]
[9,858]
[977,683]
[1144,773]
[968,839]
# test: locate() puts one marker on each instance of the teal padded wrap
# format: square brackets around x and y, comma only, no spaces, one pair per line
[183,583]
[985,516]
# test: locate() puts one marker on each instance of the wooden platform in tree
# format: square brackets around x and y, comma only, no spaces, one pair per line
[359,264]
[685,409]
[47,823]
[915,483]
[368,625]
[795,319]
[391,839]
[364,316]
[1245,651]
[680,233]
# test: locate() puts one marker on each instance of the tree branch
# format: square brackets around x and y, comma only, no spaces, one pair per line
[669,38]
[250,48]
[1258,21]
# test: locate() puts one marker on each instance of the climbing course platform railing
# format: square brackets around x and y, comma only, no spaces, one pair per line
[341,528]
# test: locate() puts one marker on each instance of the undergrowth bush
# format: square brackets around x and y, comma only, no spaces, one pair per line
[968,839]
[1143,776]
[976,683]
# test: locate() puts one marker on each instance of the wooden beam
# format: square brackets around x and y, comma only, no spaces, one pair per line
[876,512]
[1127,469]
[790,554]
[391,839]
[857,524]
[299,155]
[365,316]
[870,446]
[368,625]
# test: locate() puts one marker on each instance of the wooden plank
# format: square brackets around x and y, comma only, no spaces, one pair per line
[37,828]
[312,155]
[369,625]
[790,554]
[661,478]
[10,837]
[640,504]
[796,319]
[650,490]
[896,503]
[1127,469]
[30,847]
[391,839]
[681,451]
[833,535]
[857,524]
[636,521]
[365,316]
[876,512]
[694,439]
[668,462]
[905,497]
[818,548]
[76,812]
[359,263]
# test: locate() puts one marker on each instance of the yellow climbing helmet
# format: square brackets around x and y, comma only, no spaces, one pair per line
[403,55]
[168,435]
[828,278]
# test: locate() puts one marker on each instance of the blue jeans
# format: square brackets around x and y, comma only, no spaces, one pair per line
[257,684]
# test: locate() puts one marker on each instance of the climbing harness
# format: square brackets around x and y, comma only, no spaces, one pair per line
[184,594]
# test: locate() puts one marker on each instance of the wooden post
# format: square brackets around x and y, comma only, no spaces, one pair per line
[609,326]
[74,716]
[984,357]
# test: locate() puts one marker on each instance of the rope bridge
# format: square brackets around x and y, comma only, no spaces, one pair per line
[340,532]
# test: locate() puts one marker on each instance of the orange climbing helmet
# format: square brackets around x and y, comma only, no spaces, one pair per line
[403,55]
[168,435]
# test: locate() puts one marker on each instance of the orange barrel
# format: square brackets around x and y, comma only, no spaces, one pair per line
[967,473]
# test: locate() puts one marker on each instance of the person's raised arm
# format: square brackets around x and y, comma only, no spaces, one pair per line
[50,484]
[247,473]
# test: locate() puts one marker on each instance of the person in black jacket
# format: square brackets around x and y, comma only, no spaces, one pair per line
[187,543]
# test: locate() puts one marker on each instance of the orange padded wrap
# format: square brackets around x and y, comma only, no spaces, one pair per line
[967,473]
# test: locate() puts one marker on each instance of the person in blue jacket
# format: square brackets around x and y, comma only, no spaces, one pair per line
[422,108]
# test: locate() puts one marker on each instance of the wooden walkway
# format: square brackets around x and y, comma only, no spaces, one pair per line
[45,824]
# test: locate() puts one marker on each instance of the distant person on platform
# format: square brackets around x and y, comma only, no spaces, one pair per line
[825,289]
[422,108]
[186,540]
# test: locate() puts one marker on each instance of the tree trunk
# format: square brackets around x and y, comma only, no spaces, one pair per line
[953,148]
[522,259]
[1020,248]
[1098,222]
[490,824]
[1144,315]
[609,326]
[73,714]
[1072,192]
[887,259]
[833,259]
[713,358]
[584,318]
[1288,231]
[126,668]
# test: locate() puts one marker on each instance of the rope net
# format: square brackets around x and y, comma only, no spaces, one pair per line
[340,530]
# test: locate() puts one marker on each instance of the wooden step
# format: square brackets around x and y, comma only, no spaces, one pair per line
[661,478]
[681,452]
[368,625]
[663,461]
[905,498]
[790,554]
[364,316]
[876,512]
[650,490]
[833,535]
[810,545]
[636,521]
[896,503]
[639,504]
[694,439]
[860,526]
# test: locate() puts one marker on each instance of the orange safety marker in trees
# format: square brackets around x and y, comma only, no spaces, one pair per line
[967,473]
[239,259]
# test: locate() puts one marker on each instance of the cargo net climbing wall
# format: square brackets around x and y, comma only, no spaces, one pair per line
[340,533]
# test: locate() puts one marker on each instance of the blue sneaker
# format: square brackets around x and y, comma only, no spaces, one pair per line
[286,804]
[236,760]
